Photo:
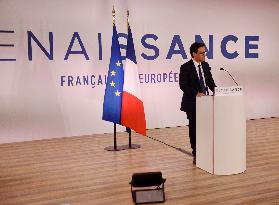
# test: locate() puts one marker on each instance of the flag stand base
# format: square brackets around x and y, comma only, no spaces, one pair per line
[112,148]
[132,146]
[122,147]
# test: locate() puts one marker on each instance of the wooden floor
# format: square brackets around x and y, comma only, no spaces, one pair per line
[78,171]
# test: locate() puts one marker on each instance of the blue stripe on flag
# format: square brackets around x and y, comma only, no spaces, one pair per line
[130,47]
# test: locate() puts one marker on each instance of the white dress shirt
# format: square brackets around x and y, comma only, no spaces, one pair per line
[197,70]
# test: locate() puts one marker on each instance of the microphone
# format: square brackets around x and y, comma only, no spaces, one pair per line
[230,75]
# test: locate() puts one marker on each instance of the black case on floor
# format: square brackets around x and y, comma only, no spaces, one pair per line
[148,187]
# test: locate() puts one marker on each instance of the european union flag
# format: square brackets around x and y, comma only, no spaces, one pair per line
[114,87]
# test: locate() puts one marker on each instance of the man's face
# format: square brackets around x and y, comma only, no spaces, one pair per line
[200,55]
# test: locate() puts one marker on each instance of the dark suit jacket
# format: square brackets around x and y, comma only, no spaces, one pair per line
[189,83]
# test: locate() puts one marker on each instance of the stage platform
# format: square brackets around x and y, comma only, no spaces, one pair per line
[78,171]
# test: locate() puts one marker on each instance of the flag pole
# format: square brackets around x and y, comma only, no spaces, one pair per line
[130,140]
[130,145]
[130,131]
[114,147]
[114,124]
[114,136]
[113,15]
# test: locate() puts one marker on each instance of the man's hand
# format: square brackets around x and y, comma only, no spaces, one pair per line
[201,94]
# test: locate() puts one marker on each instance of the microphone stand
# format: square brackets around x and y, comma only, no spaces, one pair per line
[230,75]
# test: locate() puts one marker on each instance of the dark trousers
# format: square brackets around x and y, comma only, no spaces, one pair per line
[191,115]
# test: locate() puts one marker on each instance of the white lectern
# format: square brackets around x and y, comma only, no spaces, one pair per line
[221,132]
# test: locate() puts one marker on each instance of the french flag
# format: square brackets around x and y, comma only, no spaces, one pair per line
[132,112]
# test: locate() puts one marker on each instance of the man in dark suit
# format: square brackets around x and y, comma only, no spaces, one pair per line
[194,80]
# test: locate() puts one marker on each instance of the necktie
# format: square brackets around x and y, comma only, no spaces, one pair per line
[201,80]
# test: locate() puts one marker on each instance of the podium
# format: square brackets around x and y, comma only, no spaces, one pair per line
[221,132]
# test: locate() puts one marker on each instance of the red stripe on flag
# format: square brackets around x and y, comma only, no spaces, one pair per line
[132,113]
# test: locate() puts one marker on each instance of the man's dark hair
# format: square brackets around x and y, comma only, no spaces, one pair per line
[195,46]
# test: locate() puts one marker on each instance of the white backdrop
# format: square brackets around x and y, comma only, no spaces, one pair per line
[35,103]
